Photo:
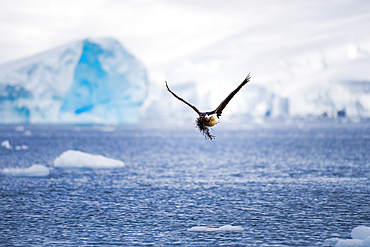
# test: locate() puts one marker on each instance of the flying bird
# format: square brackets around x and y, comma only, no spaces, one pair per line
[211,118]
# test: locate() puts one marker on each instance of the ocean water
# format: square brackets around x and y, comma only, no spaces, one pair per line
[286,185]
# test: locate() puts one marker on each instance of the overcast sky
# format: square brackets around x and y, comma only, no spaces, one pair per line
[162,32]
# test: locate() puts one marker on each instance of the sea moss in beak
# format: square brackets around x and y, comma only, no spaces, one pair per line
[199,123]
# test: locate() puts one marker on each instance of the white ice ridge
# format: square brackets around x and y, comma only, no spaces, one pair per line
[78,159]
[360,238]
[33,171]
[212,229]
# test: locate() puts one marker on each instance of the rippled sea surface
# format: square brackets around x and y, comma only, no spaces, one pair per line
[284,185]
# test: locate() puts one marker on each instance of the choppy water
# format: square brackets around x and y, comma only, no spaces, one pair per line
[286,186]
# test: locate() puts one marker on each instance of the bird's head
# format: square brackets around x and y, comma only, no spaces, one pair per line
[201,121]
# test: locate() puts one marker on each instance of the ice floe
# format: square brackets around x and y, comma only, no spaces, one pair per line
[19,128]
[27,133]
[212,229]
[360,238]
[78,159]
[6,145]
[21,147]
[105,128]
[33,171]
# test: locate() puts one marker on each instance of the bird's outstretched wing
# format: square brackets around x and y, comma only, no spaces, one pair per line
[224,103]
[193,107]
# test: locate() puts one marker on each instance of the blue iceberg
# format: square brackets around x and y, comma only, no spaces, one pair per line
[89,81]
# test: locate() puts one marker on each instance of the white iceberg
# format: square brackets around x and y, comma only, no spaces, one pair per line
[212,229]
[33,171]
[78,159]
[360,238]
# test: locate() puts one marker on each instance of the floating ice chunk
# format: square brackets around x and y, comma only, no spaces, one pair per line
[227,228]
[360,235]
[360,232]
[22,147]
[105,128]
[211,229]
[78,159]
[27,133]
[349,243]
[6,145]
[33,171]
[19,128]
[366,242]
[331,241]
[198,229]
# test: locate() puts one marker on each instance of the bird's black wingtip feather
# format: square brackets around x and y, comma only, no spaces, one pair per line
[168,89]
[248,77]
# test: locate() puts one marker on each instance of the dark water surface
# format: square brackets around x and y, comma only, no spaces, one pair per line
[286,186]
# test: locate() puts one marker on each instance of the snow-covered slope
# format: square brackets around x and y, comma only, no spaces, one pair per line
[89,81]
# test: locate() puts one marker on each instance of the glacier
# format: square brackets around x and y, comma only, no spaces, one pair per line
[88,81]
